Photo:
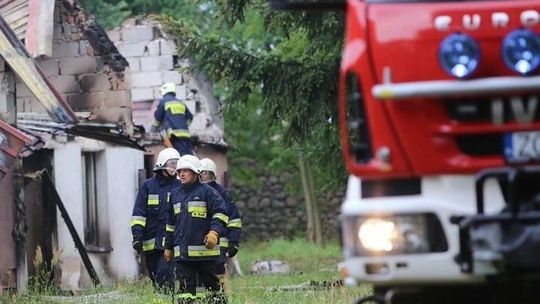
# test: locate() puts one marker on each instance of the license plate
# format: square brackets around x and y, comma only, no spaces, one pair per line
[522,147]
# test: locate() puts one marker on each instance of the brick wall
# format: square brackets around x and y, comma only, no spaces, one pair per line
[85,68]
[152,62]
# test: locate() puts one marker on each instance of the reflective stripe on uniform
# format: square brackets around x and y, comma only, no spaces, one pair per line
[138,220]
[163,242]
[176,251]
[193,204]
[176,208]
[224,242]
[168,197]
[188,296]
[181,133]
[153,199]
[169,228]
[197,208]
[176,107]
[235,223]
[149,244]
[201,251]
[222,217]
[200,292]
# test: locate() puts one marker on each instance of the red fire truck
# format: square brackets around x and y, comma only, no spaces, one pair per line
[440,132]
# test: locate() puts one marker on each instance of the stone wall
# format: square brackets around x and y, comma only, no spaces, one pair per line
[269,211]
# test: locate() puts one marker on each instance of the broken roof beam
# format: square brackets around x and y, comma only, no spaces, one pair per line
[13,51]
[11,142]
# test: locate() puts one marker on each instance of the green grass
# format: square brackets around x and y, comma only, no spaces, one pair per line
[270,290]
[301,255]
[307,263]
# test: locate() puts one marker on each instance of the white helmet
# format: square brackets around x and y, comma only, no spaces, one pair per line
[168,87]
[208,165]
[164,156]
[190,162]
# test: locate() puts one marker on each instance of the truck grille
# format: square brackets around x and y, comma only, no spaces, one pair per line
[490,113]
[480,145]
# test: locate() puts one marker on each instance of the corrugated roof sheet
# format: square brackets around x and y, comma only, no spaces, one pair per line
[16,14]
[31,21]
[35,123]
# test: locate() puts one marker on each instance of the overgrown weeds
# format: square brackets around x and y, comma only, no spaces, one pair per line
[42,282]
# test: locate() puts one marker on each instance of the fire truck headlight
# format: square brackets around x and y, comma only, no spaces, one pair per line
[459,55]
[393,234]
[521,51]
[378,234]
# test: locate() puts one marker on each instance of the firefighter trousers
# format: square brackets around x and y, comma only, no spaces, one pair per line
[182,145]
[220,272]
[187,273]
[161,273]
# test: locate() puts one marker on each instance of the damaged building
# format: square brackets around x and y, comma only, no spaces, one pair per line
[153,60]
[74,105]
[64,86]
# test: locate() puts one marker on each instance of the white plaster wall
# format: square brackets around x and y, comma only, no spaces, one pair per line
[67,177]
[117,173]
[122,186]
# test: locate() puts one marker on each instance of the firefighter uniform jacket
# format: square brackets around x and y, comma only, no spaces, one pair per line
[175,116]
[231,237]
[196,209]
[150,212]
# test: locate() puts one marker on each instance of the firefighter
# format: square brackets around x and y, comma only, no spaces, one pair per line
[173,116]
[228,242]
[196,220]
[149,218]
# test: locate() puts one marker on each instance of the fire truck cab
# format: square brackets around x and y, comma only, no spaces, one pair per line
[440,130]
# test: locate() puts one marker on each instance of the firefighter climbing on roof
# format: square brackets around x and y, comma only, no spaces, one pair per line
[174,117]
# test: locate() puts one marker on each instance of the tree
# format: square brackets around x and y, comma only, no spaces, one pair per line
[291,60]
[111,13]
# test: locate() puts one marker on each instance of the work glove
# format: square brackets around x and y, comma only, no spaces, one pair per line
[137,245]
[211,239]
[232,251]
[167,254]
